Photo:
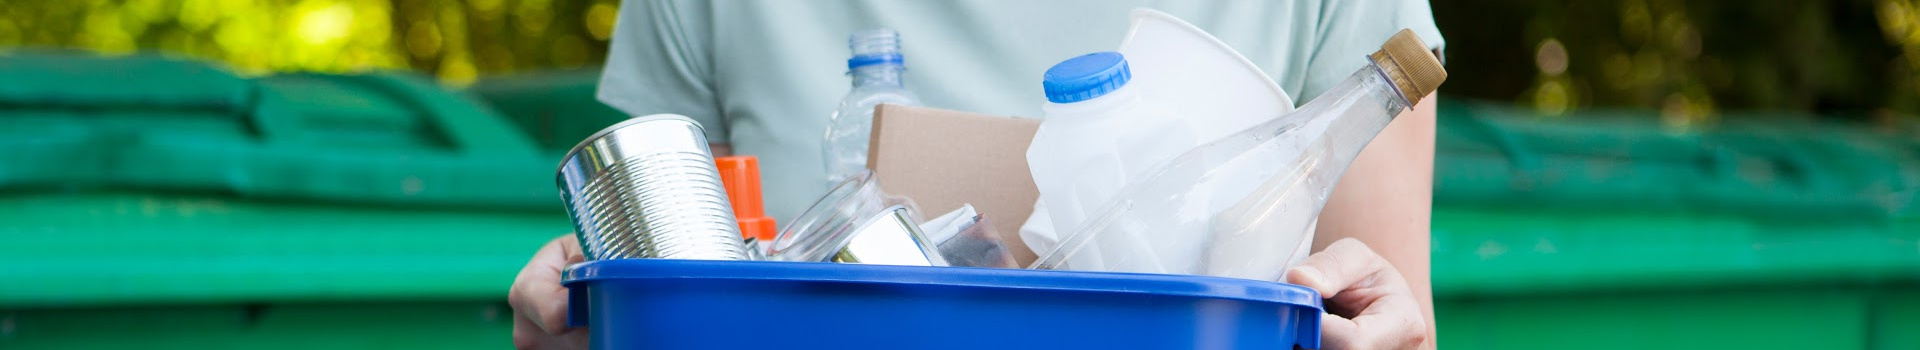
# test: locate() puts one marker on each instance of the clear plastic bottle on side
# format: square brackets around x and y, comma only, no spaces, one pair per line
[1098,135]
[878,72]
[1252,229]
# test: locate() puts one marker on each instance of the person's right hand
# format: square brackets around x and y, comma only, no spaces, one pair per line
[1369,305]
[540,302]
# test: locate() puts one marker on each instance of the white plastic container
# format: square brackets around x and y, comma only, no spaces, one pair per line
[1192,76]
[1198,77]
[1098,134]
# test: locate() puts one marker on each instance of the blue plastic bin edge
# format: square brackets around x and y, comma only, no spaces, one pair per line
[1307,333]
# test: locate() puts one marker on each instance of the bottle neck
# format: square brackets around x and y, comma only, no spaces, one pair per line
[1380,82]
[879,75]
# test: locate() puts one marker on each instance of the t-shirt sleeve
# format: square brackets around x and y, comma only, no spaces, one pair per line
[1349,30]
[660,61]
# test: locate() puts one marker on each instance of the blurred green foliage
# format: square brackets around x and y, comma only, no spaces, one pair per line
[453,39]
[1691,60]
[1853,59]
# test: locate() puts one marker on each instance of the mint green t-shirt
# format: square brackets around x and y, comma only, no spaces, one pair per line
[763,75]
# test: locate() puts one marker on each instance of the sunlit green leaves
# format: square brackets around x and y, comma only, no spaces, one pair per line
[454,40]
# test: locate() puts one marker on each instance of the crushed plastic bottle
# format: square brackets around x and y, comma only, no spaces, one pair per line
[1201,202]
[878,71]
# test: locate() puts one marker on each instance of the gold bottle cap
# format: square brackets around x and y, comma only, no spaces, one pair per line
[1411,67]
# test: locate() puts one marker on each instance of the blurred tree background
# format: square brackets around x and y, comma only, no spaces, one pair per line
[454,40]
[1689,60]
[1851,59]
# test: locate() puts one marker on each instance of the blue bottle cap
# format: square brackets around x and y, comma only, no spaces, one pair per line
[1086,77]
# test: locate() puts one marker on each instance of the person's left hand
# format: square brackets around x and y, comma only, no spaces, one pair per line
[540,302]
[1369,305]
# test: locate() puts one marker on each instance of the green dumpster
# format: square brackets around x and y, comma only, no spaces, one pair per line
[158,203]
[1602,230]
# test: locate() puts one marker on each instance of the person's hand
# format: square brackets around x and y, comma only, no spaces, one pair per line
[1369,305]
[540,302]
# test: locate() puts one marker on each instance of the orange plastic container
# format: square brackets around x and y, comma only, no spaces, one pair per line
[741,176]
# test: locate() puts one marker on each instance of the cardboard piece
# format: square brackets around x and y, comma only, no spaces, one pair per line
[942,159]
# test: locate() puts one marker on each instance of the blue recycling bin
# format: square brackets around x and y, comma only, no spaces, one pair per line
[693,304]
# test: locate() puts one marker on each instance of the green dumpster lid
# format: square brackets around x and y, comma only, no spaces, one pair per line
[151,122]
[1764,165]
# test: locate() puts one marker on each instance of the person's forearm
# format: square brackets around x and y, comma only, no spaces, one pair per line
[1385,200]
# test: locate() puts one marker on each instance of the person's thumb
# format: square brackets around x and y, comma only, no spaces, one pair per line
[1312,278]
[1343,265]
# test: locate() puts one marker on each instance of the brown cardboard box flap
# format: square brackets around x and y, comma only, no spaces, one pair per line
[943,159]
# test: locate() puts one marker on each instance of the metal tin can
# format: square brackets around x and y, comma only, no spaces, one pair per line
[890,238]
[647,188]
[856,222]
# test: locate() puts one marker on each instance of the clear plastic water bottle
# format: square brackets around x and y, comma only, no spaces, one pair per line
[878,72]
[1251,229]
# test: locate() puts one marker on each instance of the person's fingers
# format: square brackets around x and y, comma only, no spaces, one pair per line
[1370,306]
[575,340]
[570,248]
[1336,333]
[1392,321]
[1345,264]
[528,336]
[537,294]
[1372,331]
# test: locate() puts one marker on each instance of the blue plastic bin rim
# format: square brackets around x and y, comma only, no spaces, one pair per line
[1111,282]
[1300,300]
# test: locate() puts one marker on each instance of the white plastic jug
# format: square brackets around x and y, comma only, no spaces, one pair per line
[1188,73]
[1096,134]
